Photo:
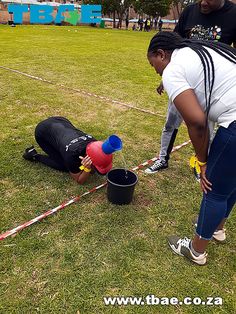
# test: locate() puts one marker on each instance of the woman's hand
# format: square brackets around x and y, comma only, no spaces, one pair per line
[205,184]
[160,88]
[86,161]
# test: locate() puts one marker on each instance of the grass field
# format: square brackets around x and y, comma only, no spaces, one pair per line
[68,262]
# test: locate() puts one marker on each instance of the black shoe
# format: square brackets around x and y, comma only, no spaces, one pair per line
[157,166]
[30,154]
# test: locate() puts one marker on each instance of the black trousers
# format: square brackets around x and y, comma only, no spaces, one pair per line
[53,158]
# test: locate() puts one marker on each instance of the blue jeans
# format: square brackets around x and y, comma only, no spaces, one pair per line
[221,172]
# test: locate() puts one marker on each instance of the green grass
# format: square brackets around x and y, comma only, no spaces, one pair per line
[70,261]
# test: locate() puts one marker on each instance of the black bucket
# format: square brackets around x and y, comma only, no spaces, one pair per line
[120,187]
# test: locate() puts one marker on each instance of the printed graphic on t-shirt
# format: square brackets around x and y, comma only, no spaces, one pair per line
[200,32]
[78,139]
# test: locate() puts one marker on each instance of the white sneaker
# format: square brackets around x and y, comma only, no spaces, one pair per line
[218,235]
[182,248]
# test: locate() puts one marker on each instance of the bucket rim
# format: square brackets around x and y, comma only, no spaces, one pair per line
[123,185]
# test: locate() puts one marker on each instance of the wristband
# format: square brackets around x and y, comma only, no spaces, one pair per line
[195,163]
[87,169]
[83,168]
[201,163]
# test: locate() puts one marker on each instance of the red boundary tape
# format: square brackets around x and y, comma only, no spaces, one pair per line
[74,200]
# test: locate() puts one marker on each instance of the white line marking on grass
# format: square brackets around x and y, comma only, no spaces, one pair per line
[80,91]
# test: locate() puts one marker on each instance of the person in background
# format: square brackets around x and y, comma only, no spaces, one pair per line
[127,23]
[155,24]
[203,90]
[151,24]
[140,24]
[145,25]
[69,149]
[206,20]
[148,27]
[134,28]
[160,24]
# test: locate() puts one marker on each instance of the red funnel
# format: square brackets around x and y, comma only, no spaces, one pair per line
[101,161]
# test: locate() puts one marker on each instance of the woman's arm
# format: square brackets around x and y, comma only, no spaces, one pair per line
[83,175]
[80,177]
[196,120]
[188,106]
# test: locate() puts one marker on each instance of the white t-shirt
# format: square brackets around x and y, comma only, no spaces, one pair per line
[185,71]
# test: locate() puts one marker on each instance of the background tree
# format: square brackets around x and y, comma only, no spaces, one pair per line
[178,6]
[116,8]
[153,8]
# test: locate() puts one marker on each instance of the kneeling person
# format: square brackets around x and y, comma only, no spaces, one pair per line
[69,149]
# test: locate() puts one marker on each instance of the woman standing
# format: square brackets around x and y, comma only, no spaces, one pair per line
[200,79]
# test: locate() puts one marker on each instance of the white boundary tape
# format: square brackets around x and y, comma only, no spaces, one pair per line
[80,91]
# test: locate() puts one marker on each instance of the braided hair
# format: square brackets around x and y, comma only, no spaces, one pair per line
[169,41]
